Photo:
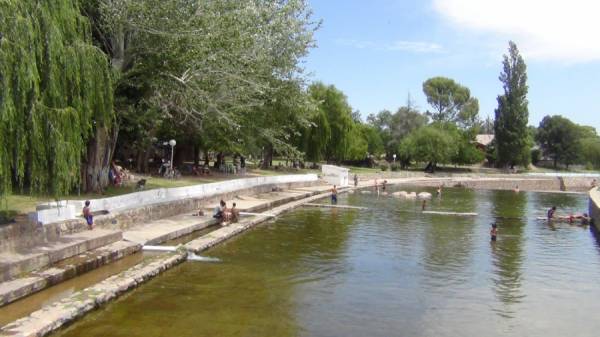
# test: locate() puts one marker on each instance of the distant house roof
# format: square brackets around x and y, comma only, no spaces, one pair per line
[484,139]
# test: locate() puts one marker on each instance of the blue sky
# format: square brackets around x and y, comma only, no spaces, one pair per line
[379,51]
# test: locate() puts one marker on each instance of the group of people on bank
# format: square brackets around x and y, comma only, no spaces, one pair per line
[225,214]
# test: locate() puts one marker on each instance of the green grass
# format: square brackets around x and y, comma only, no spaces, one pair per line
[359,170]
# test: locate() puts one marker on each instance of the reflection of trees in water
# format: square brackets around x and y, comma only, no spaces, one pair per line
[448,240]
[564,202]
[510,210]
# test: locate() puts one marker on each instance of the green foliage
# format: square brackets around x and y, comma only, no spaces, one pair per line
[510,125]
[590,151]
[333,103]
[430,143]
[316,136]
[384,167]
[392,128]
[55,88]
[372,138]
[559,138]
[395,167]
[536,156]
[451,101]
[223,75]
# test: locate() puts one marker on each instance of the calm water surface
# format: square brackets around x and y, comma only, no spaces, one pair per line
[390,271]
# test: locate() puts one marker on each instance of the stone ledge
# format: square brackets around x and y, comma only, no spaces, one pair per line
[15,264]
[594,206]
[54,316]
[18,288]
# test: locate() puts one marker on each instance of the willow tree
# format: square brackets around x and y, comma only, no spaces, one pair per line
[55,94]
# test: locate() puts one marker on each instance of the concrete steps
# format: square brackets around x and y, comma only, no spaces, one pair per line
[171,228]
[15,264]
[15,289]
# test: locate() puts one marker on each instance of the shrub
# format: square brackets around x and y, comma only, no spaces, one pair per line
[395,167]
[383,167]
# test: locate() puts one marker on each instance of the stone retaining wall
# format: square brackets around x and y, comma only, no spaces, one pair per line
[554,184]
[595,206]
[70,209]
[16,236]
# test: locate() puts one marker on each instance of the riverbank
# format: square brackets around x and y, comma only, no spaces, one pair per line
[139,231]
[56,315]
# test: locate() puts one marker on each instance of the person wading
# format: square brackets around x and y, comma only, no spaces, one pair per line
[334,195]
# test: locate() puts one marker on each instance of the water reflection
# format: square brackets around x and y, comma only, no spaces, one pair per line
[509,210]
[388,271]
[449,234]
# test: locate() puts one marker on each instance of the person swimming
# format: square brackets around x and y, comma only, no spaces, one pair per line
[493,232]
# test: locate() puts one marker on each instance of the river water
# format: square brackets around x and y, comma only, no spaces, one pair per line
[387,271]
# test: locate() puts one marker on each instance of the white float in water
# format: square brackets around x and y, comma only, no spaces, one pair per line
[424,195]
[411,195]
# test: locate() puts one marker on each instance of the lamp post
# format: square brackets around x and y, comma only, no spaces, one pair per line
[172,142]
[394,155]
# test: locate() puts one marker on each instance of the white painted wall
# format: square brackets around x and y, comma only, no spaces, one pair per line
[335,175]
[71,209]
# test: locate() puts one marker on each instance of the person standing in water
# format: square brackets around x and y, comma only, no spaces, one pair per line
[355,180]
[516,189]
[438,193]
[551,212]
[424,205]
[334,195]
[493,232]
[87,214]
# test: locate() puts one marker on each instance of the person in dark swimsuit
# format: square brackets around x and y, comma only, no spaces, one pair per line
[334,195]
[493,232]
[87,214]
[551,212]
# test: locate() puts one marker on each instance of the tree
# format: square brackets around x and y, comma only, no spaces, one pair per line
[429,144]
[56,97]
[448,99]
[511,116]
[393,128]
[590,151]
[205,66]
[334,104]
[558,138]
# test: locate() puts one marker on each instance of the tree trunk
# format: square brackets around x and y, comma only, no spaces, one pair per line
[267,157]
[206,158]
[95,168]
[196,154]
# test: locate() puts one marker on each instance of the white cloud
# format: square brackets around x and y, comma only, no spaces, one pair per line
[554,30]
[400,45]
